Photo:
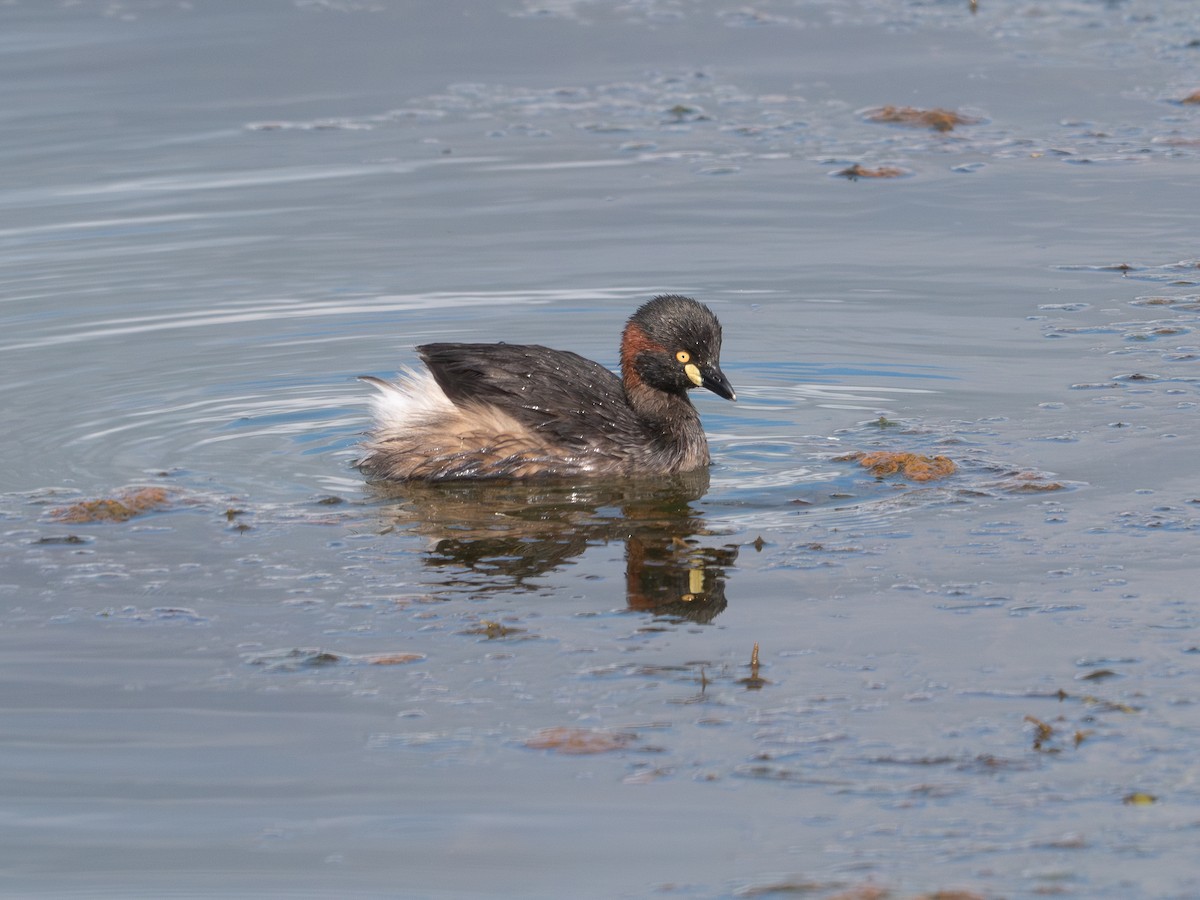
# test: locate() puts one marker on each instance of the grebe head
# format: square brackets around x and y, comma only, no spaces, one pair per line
[673,344]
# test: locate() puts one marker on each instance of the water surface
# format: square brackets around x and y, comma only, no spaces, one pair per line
[287,683]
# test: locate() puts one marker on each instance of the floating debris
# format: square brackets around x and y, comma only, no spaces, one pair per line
[753,682]
[1043,732]
[648,774]
[938,119]
[798,887]
[231,516]
[857,171]
[1192,98]
[681,112]
[1139,798]
[121,508]
[1029,482]
[393,659]
[295,659]
[62,539]
[913,466]
[579,741]
[300,658]
[1189,303]
[493,630]
[805,888]
[1095,702]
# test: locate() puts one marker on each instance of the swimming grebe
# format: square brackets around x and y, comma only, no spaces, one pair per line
[521,410]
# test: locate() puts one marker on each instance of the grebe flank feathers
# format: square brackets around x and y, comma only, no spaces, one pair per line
[523,410]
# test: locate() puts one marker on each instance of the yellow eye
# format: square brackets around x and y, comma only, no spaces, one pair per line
[683,356]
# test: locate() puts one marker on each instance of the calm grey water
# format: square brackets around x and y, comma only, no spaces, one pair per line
[287,684]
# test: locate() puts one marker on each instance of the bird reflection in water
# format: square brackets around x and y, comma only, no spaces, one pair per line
[500,535]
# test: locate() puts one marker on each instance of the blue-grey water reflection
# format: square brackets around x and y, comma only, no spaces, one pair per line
[284,682]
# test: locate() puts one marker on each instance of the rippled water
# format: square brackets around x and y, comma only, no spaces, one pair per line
[283,682]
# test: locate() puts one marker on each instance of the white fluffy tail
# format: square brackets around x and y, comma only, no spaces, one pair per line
[414,398]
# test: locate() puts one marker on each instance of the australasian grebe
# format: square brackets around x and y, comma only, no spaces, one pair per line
[521,410]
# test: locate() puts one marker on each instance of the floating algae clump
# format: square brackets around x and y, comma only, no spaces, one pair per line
[938,119]
[120,508]
[913,466]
